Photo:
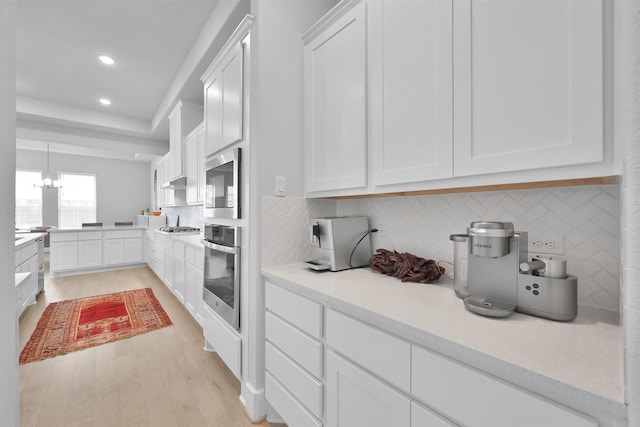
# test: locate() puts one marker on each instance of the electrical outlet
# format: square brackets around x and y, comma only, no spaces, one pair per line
[382,230]
[546,244]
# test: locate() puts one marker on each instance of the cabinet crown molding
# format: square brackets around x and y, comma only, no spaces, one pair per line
[239,33]
[337,11]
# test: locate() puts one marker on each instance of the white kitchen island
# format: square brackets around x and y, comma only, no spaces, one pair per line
[417,344]
[90,249]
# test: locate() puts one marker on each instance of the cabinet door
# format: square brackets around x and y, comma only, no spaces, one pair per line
[191,289]
[200,171]
[133,250]
[179,278]
[335,104]
[175,142]
[231,114]
[113,251]
[89,253]
[168,268]
[528,82]
[64,256]
[213,102]
[422,417]
[410,90]
[355,398]
[191,152]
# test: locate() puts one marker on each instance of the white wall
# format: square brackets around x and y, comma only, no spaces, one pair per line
[276,149]
[122,187]
[9,396]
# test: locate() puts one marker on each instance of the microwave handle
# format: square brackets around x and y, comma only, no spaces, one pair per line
[226,249]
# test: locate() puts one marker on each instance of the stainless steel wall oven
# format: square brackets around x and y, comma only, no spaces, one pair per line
[221,290]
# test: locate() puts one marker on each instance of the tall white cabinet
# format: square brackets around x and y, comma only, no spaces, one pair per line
[223,94]
[401,94]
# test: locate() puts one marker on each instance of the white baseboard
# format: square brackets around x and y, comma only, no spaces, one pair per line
[254,402]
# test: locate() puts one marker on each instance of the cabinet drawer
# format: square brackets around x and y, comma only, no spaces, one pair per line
[385,355]
[225,341]
[190,255]
[132,234]
[475,398]
[306,388]
[299,311]
[63,237]
[114,234]
[286,405]
[27,252]
[421,416]
[90,235]
[178,250]
[305,350]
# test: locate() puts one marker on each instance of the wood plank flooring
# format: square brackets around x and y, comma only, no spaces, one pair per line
[161,378]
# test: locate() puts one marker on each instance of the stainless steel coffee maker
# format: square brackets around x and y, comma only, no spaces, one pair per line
[501,279]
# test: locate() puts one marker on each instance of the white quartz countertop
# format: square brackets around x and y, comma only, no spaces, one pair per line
[102,228]
[23,239]
[189,239]
[578,360]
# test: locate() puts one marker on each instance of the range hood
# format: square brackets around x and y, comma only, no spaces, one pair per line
[178,183]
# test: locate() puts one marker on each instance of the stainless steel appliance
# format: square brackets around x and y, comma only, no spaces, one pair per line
[221,290]
[339,243]
[222,185]
[501,279]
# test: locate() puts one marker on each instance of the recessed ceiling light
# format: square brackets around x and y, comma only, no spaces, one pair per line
[106,60]
[105,101]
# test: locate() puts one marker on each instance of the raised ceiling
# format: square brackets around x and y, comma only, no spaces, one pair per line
[160,48]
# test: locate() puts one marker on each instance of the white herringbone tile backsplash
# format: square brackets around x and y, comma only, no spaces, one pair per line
[585,218]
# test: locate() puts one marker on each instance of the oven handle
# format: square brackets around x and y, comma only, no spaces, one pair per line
[226,249]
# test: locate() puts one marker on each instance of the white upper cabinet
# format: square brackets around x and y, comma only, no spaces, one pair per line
[407,95]
[224,83]
[194,152]
[410,90]
[184,117]
[335,100]
[528,84]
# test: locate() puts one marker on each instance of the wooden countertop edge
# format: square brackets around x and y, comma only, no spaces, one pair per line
[600,180]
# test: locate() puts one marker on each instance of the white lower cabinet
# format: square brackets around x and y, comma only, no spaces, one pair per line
[113,251]
[375,378]
[474,398]
[424,417]
[356,398]
[27,262]
[194,281]
[179,278]
[224,340]
[294,356]
[64,251]
[89,253]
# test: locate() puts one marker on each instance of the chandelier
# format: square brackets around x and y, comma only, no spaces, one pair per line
[48,182]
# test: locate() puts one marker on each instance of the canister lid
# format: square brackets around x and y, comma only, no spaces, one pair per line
[491,229]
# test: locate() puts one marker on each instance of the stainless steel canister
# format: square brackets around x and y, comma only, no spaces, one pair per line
[460,258]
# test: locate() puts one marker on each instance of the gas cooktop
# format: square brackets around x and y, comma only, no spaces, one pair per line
[180,229]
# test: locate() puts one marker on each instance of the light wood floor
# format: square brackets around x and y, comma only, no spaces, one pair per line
[162,378]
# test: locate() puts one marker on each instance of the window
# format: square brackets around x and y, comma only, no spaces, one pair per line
[28,199]
[76,200]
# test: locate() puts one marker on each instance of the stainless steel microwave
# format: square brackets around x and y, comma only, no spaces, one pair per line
[222,185]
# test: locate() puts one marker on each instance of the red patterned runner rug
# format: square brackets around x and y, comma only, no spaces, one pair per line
[77,324]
